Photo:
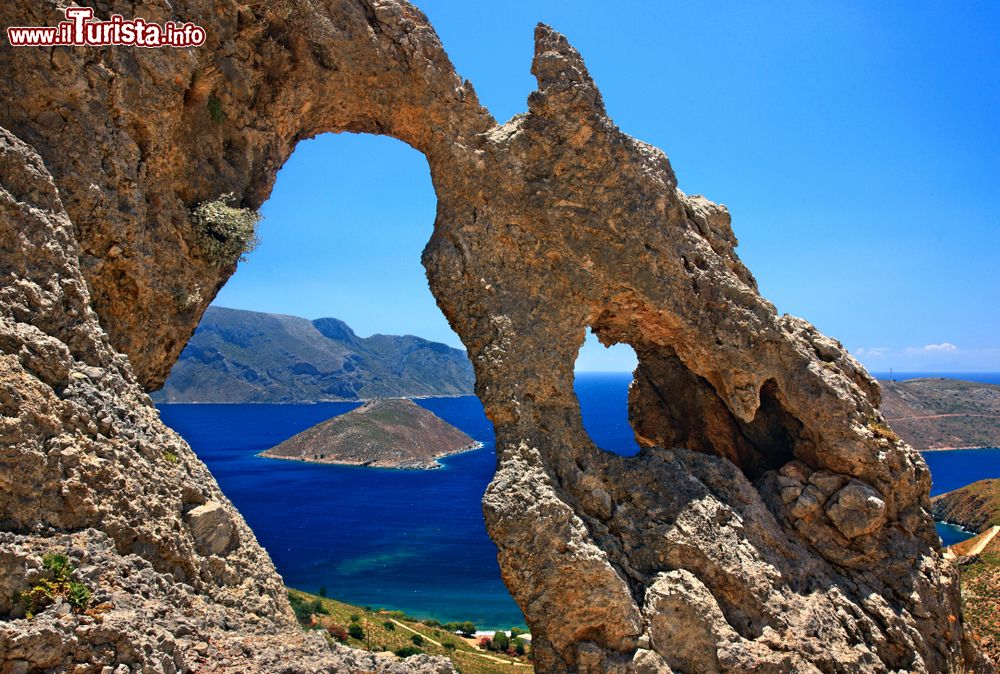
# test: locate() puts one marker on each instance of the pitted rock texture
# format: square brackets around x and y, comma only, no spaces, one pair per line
[769,525]
[86,468]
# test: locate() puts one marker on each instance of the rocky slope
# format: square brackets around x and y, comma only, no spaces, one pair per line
[981,597]
[384,433]
[975,506]
[791,533]
[176,580]
[938,413]
[249,357]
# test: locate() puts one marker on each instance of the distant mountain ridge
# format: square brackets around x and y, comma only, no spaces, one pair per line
[940,413]
[238,356]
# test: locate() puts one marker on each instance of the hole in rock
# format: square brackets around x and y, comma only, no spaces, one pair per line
[672,406]
[322,314]
[602,379]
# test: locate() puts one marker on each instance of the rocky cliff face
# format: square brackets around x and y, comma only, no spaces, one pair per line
[772,524]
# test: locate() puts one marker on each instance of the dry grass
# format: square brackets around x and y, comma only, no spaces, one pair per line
[881,430]
[981,600]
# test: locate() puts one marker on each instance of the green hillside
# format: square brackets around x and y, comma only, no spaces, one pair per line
[248,357]
[393,631]
[976,506]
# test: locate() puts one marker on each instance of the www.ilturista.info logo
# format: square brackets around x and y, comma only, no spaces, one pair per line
[80,30]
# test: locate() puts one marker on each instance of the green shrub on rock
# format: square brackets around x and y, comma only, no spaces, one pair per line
[226,233]
[58,583]
[304,610]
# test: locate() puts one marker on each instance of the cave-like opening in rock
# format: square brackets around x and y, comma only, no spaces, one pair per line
[672,406]
[341,245]
[342,236]
[602,376]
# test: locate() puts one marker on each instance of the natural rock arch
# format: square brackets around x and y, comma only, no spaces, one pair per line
[547,224]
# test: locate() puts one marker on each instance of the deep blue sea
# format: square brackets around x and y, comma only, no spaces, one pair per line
[414,540]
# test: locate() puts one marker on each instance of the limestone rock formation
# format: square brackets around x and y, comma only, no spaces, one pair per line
[178,581]
[771,524]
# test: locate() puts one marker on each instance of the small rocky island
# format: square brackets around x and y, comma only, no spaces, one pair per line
[383,433]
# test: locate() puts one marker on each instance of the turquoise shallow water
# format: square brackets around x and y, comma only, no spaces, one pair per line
[410,540]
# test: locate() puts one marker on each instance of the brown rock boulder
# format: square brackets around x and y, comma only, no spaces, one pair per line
[211,526]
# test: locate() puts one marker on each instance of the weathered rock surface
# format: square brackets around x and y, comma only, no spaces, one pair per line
[789,534]
[179,582]
[211,527]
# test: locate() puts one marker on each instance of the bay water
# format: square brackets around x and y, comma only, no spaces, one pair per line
[412,540]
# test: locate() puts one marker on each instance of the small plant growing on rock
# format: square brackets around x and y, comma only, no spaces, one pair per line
[170,457]
[215,110]
[225,232]
[882,431]
[58,583]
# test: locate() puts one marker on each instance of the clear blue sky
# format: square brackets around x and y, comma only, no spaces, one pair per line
[857,145]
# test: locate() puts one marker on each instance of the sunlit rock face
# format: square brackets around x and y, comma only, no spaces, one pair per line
[770,524]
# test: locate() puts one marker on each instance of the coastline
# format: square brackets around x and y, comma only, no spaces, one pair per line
[959,526]
[476,445]
[955,449]
[428,396]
